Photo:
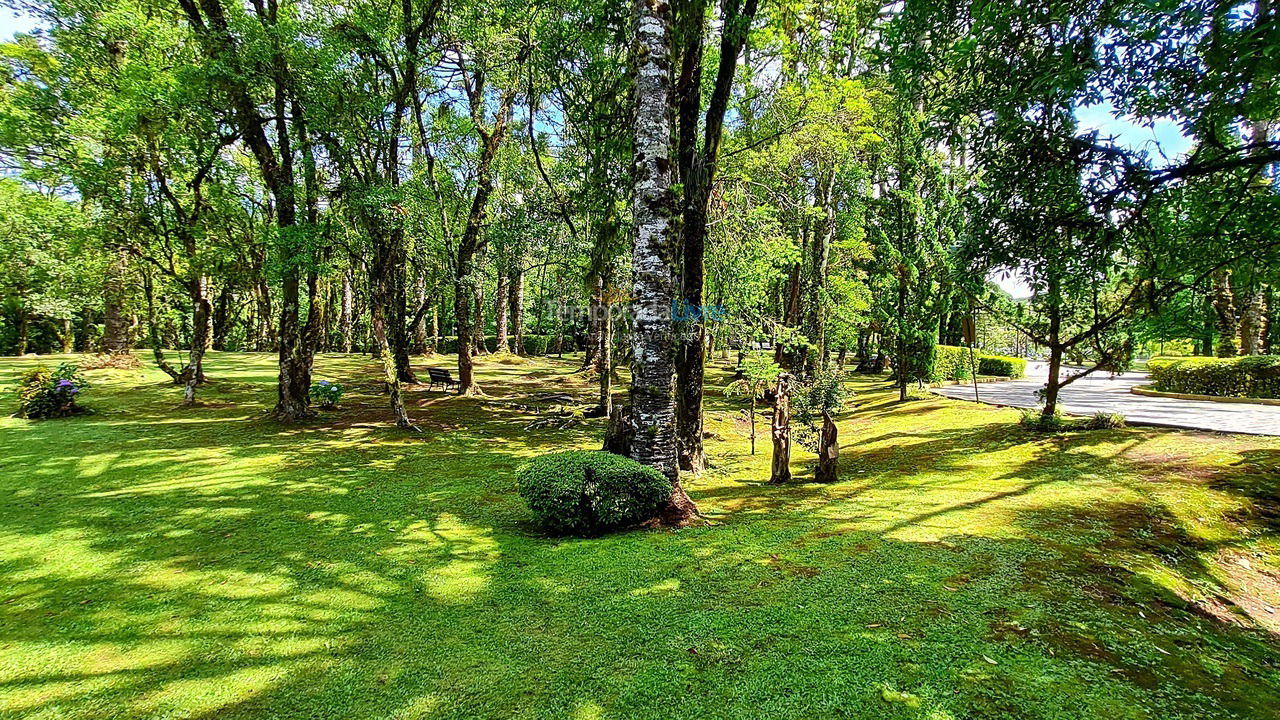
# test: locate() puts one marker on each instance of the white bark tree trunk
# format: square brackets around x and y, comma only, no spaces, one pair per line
[652,384]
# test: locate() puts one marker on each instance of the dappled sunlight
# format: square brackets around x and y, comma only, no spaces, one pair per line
[454,558]
[242,568]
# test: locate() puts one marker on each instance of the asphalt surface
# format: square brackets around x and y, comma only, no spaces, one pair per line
[1100,392]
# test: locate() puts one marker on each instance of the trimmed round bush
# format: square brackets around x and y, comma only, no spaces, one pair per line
[584,492]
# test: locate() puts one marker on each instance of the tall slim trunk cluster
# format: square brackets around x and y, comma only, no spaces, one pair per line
[697,167]
[471,245]
[275,163]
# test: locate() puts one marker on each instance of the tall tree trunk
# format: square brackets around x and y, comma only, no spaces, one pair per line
[517,307]
[24,329]
[591,354]
[1224,309]
[378,322]
[500,303]
[201,327]
[1253,319]
[828,451]
[221,319]
[652,377]
[67,336]
[467,274]
[780,430]
[478,325]
[115,290]
[606,359]
[345,317]
[420,319]
[698,168]
[823,237]
[398,333]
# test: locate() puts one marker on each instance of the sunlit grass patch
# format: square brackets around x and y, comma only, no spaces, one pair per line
[158,561]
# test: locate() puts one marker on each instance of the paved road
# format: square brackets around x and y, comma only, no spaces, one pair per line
[1102,393]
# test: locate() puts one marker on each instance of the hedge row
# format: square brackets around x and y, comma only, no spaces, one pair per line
[533,344]
[1254,376]
[952,363]
[1002,366]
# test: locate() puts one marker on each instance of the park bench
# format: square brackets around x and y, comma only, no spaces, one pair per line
[440,376]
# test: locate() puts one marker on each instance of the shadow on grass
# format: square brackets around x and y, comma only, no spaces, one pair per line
[214,564]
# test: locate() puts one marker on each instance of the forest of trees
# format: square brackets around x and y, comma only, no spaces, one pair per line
[651,184]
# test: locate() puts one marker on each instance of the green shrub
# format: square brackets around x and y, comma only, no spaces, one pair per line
[1256,376]
[1104,421]
[948,362]
[583,492]
[447,344]
[952,362]
[536,344]
[1002,366]
[1035,420]
[326,394]
[45,393]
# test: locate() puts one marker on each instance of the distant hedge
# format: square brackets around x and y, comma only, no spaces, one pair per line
[952,363]
[533,344]
[1253,376]
[1002,366]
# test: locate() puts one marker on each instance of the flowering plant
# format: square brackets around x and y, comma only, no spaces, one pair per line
[326,394]
[45,393]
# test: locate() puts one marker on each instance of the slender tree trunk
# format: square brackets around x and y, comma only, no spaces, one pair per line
[823,237]
[398,332]
[1051,387]
[500,308]
[345,317]
[201,326]
[652,378]
[828,451]
[479,326]
[606,360]
[591,356]
[435,328]
[780,430]
[67,336]
[1253,322]
[24,331]
[467,277]
[517,307]
[698,167]
[379,325]
[115,336]
[420,319]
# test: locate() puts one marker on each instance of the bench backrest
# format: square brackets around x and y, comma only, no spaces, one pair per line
[439,374]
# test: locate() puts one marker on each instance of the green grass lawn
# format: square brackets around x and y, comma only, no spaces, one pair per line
[164,562]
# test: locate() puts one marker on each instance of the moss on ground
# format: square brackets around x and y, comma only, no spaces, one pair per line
[160,561]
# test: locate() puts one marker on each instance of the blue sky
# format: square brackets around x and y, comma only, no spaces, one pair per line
[11,22]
